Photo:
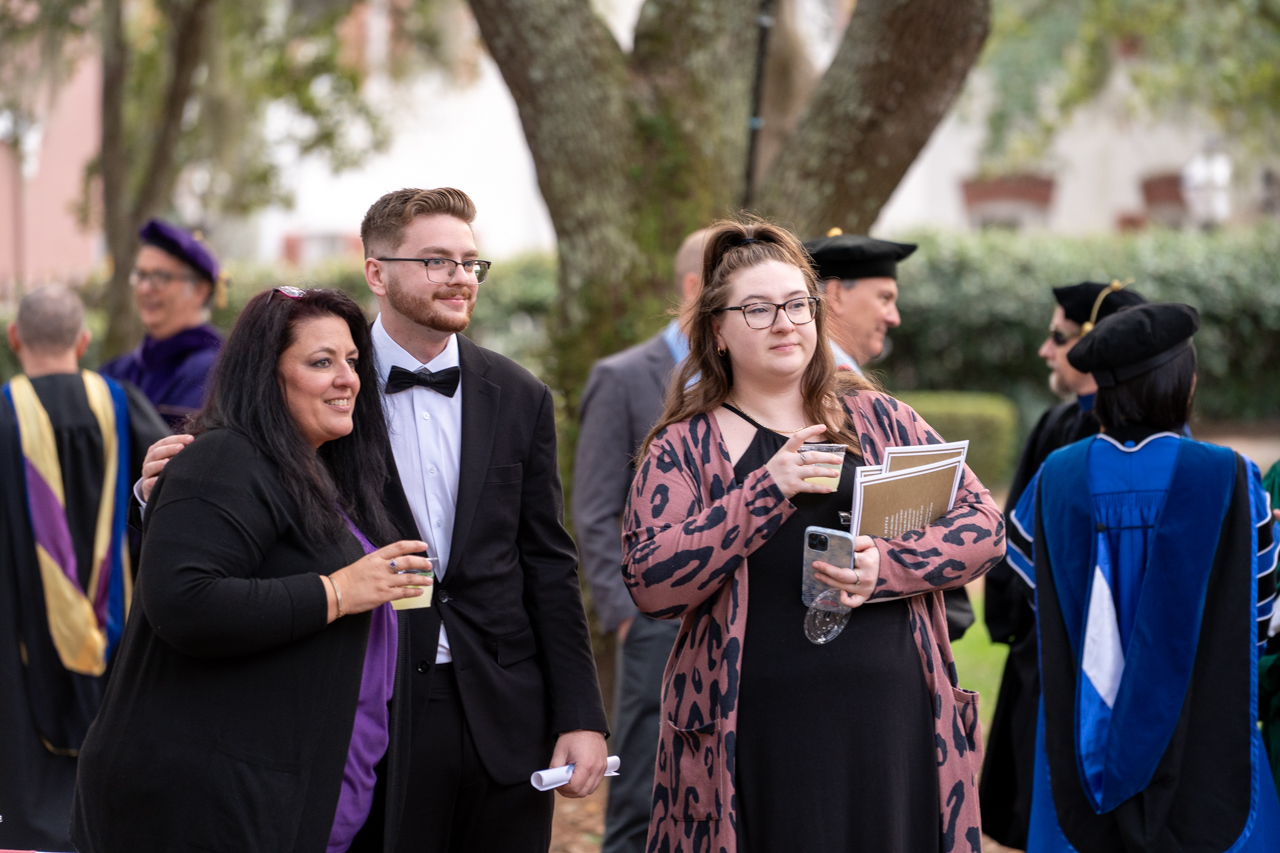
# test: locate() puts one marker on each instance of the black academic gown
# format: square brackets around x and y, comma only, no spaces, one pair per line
[35,783]
[1007,768]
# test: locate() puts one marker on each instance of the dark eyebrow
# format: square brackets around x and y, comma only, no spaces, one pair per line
[795,294]
[328,350]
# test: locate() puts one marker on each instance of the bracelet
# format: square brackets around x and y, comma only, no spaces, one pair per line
[336,594]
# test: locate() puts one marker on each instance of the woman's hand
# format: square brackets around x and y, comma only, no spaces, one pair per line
[375,579]
[792,464]
[158,456]
[858,583]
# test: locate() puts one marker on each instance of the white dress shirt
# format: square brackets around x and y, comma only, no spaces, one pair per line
[426,441]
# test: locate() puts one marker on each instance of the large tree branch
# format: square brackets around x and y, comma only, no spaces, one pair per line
[694,62]
[187,50]
[898,71]
[122,323]
[569,80]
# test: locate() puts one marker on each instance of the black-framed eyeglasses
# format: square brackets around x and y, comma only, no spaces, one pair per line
[440,270]
[158,278]
[762,315]
[286,290]
[1061,338]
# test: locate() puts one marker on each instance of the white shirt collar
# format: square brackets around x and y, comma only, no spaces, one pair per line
[843,359]
[390,354]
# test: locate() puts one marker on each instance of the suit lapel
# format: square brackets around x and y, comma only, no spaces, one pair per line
[480,399]
[396,502]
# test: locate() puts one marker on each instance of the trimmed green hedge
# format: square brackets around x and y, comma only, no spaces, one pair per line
[989,421]
[976,307]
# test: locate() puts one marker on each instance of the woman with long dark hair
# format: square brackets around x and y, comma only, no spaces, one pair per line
[256,702]
[770,742]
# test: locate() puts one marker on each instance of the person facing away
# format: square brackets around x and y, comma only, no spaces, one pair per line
[621,402]
[70,442]
[858,279]
[1152,557]
[768,741]
[260,696]
[1008,610]
[175,280]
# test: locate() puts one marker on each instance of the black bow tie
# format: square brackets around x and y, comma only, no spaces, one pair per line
[442,381]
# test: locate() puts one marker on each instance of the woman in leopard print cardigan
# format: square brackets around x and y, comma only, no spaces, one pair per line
[691,528]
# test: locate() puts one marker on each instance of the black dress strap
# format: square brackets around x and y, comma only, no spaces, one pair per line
[749,419]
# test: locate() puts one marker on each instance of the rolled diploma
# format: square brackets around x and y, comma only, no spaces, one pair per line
[554,777]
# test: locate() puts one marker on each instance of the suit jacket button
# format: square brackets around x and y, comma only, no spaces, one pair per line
[444,597]
[423,666]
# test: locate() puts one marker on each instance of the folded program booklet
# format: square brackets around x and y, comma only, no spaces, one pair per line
[890,500]
[912,456]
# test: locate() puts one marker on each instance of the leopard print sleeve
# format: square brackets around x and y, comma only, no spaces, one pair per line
[688,525]
[960,546]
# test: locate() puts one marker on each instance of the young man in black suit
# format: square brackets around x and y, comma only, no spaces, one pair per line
[504,680]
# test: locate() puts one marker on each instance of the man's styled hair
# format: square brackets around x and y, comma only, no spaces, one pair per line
[50,319]
[384,223]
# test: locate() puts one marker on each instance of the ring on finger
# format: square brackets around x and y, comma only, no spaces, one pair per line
[857,578]
[393,564]
[802,459]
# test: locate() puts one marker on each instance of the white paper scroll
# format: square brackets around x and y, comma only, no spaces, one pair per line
[554,777]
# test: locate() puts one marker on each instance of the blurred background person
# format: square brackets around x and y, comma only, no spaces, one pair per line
[620,404]
[71,442]
[1010,757]
[175,280]
[258,701]
[1152,557]
[767,738]
[858,279]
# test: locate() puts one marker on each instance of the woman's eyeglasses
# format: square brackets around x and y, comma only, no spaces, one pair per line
[762,315]
[291,292]
[1061,338]
[440,270]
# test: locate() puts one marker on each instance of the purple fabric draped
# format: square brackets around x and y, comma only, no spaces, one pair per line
[49,524]
[172,372]
[371,732]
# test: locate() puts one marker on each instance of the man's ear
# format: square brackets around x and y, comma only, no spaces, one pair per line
[373,277]
[11,332]
[834,293]
[689,285]
[82,343]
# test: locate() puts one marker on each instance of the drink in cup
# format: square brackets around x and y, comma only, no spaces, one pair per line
[838,450]
[423,600]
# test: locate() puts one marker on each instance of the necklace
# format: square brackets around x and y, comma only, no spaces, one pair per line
[734,401]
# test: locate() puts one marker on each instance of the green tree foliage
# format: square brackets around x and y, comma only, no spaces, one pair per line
[1218,58]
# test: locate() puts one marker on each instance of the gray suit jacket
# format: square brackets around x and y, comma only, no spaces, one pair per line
[623,398]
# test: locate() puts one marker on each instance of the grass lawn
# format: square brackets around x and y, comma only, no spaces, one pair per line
[980,662]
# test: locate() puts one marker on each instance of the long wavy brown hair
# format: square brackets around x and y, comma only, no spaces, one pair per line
[705,379]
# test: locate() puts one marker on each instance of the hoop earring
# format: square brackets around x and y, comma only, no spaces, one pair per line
[720,351]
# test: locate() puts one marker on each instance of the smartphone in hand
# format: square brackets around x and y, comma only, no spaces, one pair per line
[834,547]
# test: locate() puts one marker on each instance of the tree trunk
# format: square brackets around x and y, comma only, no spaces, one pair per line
[897,73]
[633,153]
[123,216]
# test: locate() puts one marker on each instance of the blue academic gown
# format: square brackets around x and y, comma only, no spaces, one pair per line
[173,372]
[1154,568]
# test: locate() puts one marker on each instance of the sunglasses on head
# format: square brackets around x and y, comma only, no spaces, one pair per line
[291,292]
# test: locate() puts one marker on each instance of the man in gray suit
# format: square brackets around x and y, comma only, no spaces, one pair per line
[623,399]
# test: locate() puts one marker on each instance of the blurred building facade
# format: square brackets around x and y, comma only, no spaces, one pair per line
[41,190]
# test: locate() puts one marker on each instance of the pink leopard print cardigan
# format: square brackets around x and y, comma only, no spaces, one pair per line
[689,531]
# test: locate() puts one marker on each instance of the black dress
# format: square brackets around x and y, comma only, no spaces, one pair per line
[834,749]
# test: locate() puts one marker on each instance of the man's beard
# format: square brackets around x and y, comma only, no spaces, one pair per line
[1057,386]
[421,307]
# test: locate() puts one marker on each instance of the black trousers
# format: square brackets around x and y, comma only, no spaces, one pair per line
[452,804]
[637,715]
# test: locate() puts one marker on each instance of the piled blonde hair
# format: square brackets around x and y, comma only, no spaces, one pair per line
[704,380]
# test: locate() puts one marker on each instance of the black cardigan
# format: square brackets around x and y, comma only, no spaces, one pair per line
[226,723]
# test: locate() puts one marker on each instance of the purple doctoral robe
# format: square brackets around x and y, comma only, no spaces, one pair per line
[172,372]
